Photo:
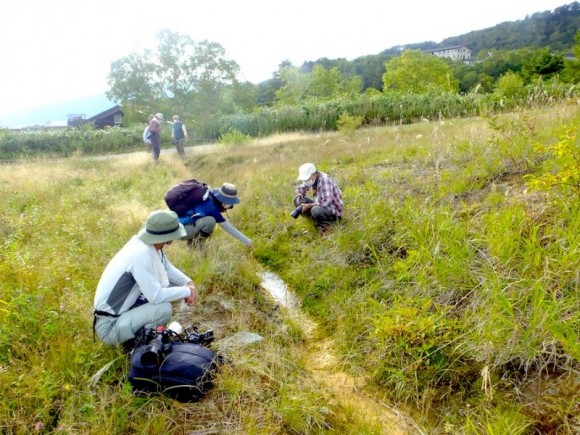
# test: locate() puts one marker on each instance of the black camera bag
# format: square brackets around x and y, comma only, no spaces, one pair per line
[185,373]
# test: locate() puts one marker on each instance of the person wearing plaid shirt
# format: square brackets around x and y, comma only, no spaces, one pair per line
[326,205]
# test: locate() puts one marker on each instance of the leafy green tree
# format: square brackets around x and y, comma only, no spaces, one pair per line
[485,83]
[542,63]
[319,83]
[329,83]
[130,80]
[495,63]
[181,76]
[571,71]
[370,69]
[240,97]
[324,82]
[294,88]
[418,73]
[267,89]
[510,85]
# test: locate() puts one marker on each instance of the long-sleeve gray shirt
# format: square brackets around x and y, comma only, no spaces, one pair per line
[132,272]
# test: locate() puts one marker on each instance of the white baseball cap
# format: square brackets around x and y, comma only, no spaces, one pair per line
[305,171]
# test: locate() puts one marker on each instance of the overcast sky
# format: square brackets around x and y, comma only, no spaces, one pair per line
[57,50]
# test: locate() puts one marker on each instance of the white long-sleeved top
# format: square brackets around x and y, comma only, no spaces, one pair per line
[132,272]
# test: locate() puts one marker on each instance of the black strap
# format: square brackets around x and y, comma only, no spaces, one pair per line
[105,313]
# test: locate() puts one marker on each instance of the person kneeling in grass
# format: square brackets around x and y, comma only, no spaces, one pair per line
[326,205]
[138,285]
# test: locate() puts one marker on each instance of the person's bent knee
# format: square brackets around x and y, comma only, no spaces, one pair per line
[205,225]
[319,212]
[323,215]
[165,312]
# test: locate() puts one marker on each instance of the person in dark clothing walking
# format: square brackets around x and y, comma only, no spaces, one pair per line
[178,135]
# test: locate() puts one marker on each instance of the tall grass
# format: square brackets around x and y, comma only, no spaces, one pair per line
[446,264]
[450,285]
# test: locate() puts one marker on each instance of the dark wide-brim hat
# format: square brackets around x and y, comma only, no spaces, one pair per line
[161,226]
[227,194]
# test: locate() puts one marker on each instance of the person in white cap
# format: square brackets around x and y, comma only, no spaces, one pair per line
[326,205]
[138,285]
[155,135]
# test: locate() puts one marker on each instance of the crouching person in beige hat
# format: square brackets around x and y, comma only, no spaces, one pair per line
[138,285]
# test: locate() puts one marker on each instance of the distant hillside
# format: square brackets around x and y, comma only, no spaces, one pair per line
[553,29]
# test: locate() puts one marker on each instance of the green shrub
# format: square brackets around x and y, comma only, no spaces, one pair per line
[234,137]
[347,123]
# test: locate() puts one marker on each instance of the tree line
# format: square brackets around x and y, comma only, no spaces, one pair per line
[197,80]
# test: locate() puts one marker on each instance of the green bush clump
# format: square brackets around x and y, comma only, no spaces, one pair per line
[234,137]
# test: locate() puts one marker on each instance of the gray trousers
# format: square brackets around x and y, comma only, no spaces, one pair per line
[117,330]
[179,146]
[203,227]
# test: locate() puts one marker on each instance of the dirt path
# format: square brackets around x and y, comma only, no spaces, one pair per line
[322,363]
[205,147]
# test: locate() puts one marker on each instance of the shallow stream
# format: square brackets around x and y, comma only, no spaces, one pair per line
[324,367]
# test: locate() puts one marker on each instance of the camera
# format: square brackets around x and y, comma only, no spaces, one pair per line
[192,335]
[156,350]
[297,212]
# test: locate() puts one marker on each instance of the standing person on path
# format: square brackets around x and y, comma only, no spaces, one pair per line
[138,285]
[155,135]
[326,207]
[178,135]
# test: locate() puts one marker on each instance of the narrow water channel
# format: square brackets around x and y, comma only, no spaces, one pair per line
[278,289]
[323,365]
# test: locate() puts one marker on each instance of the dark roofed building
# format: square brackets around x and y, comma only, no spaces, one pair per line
[108,118]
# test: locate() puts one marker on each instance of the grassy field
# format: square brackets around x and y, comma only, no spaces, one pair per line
[449,291]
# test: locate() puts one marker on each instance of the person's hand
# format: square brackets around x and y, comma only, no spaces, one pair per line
[193,297]
[307,206]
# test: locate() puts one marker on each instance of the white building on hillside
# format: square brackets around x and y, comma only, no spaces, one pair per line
[458,52]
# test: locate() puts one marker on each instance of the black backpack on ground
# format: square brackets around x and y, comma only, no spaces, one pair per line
[185,195]
[181,370]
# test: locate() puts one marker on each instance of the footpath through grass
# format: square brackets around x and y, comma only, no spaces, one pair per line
[451,285]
